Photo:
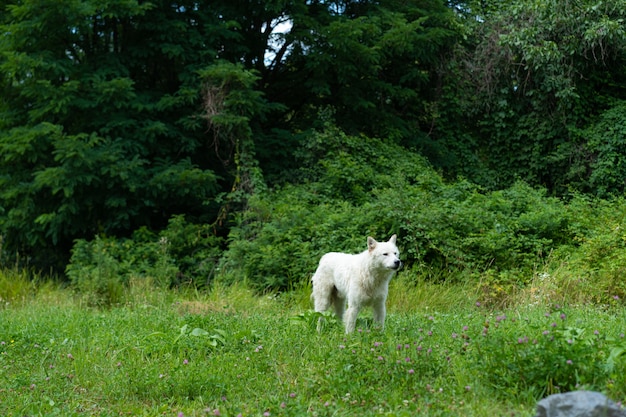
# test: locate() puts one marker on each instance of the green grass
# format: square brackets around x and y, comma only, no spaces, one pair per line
[229,352]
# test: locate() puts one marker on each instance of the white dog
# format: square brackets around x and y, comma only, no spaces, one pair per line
[358,280]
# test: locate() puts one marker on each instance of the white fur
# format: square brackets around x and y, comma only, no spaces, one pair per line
[356,280]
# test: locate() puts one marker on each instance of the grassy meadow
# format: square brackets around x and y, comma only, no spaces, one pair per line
[229,352]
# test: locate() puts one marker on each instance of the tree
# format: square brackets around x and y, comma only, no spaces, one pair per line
[531,75]
[100,120]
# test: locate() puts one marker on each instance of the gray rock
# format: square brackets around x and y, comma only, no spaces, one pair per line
[578,404]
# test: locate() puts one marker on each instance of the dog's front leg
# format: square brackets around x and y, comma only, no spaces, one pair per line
[350,318]
[380,311]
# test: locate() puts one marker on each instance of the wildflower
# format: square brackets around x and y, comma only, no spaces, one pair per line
[465,328]
[407,359]
[399,347]
[407,346]
[69,356]
[283,405]
[376,344]
[547,314]
[569,362]
[181,414]
[553,325]
[292,395]
[266,414]
[454,335]
[185,362]
[546,332]
[477,303]
[411,371]
[419,348]
[342,347]
[616,297]
[563,316]
[430,333]
[468,388]
[380,358]
[216,412]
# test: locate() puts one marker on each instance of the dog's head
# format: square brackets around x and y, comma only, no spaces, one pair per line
[386,254]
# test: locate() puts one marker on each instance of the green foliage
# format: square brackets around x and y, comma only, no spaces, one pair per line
[548,356]
[530,76]
[100,127]
[183,253]
[359,186]
[163,344]
[605,146]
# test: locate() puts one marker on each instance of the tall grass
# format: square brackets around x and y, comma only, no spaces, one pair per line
[229,352]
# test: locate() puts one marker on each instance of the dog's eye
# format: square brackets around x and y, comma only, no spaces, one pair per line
[385,254]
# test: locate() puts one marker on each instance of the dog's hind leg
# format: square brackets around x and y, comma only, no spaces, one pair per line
[339,304]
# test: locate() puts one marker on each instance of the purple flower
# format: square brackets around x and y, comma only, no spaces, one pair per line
[477,303]
[465,328]
[454,335]
[185,362]
[292,395]
[546,332]
[411,371]
[616,297]
[380,358]
[569,362]
[563,316]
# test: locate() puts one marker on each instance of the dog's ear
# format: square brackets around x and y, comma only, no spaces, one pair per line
[371,243]
[393,239]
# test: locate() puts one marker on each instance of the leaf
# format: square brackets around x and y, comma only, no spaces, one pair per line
[199,332]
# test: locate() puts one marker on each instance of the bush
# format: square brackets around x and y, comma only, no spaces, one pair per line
[358,186]
[182,253]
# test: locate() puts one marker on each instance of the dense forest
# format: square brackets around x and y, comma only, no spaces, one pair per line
[241,138]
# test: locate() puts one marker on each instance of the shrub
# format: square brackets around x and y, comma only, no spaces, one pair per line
[183,252]
[363,186]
